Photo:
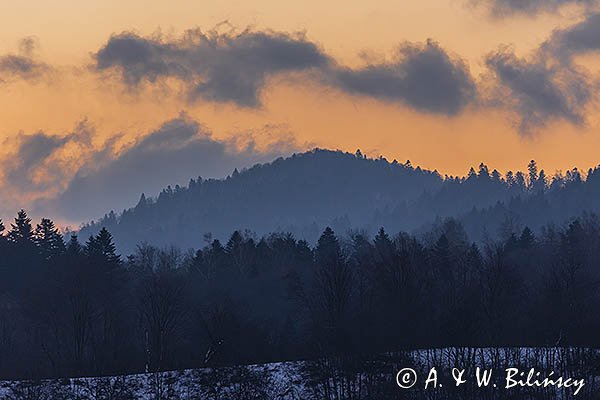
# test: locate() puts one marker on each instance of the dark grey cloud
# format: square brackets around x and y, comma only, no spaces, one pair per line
[22,65]
[550,85]
[235,68]
[216,67]
[179,150]
[539,90]
[504,8]
[581,38]
[421,76]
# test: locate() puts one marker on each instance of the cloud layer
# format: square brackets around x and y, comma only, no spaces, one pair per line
[235,68]
[39,163]
[70,177]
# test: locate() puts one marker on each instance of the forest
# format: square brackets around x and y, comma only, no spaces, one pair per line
[71,308]
[307,192]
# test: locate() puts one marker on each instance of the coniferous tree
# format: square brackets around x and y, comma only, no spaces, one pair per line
[532,169]
[21,232]
[235,249]
[472,174]
[91,249]
[4,262]
[510,178]
[101,249]
[2,235]
[73,248]
[496,177]
[48,240]
[520,180]
[527,238]
[542,181]
[328,252]
[483,171]
[383,244]
[334,288]
[106,248]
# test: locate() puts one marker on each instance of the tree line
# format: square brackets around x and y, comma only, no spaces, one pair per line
[305,193]
[74,309]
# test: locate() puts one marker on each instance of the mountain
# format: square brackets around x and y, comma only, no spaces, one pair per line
[305,192]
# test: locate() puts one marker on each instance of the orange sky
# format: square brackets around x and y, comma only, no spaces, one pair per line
[69,32]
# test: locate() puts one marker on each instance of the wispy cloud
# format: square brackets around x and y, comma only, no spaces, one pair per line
[538,89]
[40,162]
[24,64]
[549,85]
[72,178]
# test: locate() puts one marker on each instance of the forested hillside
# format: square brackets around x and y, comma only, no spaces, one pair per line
[306,192]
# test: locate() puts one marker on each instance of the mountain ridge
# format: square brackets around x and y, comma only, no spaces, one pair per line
[305,192]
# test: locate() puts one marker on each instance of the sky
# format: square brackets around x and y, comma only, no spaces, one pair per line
[100,101]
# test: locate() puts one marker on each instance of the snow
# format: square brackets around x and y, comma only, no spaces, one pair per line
[289,380]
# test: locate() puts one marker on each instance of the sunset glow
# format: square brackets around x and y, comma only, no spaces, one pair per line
[297,107]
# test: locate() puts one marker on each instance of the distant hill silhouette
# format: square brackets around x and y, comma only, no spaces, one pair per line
[305,192]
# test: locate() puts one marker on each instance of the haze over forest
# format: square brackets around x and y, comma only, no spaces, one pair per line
[307,192]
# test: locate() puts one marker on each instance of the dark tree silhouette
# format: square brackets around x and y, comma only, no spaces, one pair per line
[48,240]
[21,233]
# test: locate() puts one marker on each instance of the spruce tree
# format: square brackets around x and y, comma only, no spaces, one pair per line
[533,173]
[90,249]
[234,245]
[334,281]
[21,232]
[328,252]
[383,246]
[48,239]
[73,247]
[107,248]
[527,238]
[2,235]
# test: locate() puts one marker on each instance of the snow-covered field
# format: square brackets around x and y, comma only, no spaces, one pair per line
[272,380]
[340,378]
[269,381]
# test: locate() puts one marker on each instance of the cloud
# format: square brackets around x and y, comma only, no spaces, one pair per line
[215,67]
[177,151]
[28,45]
[421,76]
[235,68]
[31,154]
[539,90]
[41,161]
[580,38]
[505,8]
[22,65]
[549,85]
